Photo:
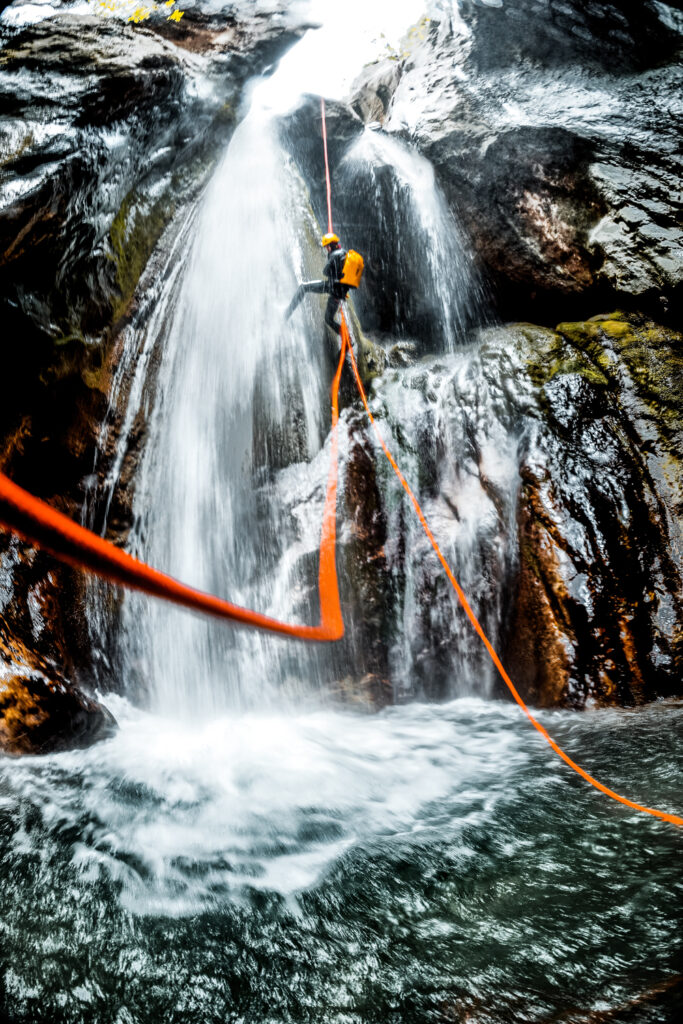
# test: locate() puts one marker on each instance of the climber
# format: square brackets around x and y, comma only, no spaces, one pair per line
[338,280]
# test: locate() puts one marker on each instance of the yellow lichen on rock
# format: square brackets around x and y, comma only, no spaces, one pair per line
[140,14]
[132,13]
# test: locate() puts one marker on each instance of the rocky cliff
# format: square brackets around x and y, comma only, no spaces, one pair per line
[555,130]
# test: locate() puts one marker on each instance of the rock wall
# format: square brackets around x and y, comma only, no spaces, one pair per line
[597,610]
[554,127]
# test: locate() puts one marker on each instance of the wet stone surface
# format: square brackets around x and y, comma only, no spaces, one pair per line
[553,128]
[548,463]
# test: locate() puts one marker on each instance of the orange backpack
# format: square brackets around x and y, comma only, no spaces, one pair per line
[353,269]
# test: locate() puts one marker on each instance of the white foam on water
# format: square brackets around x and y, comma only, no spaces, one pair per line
[182,815]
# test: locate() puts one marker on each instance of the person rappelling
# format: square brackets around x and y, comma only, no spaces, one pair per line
[342,271]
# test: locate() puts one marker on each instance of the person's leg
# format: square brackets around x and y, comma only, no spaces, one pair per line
[331,312]
[307,286]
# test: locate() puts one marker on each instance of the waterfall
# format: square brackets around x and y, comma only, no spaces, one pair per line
[241,401]
[229,491]
[230,488]
[459,434]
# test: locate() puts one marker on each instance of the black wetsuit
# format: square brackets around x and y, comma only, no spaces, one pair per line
[331,285]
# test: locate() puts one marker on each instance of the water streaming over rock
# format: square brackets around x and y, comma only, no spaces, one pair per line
[421,282]
[241,396]
[459,438]
[230,489]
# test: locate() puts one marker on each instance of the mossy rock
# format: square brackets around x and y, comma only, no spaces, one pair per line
[135,231]
[600,513]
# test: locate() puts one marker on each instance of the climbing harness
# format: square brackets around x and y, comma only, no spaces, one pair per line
[44,526]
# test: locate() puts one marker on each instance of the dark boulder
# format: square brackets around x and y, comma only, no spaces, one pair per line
[40,715]
[40,709]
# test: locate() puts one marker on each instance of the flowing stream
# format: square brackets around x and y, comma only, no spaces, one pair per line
[243,849]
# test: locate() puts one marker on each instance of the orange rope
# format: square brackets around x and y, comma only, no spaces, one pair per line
[346,341]
[43,525]
[328,182]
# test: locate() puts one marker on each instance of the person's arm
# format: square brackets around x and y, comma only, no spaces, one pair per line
[335,265]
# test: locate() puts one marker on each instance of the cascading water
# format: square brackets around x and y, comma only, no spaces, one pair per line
[226,857]
[460,438]
[237,425]
[421,279]
[241,395]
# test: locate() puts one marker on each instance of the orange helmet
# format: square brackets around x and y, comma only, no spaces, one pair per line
[329,238]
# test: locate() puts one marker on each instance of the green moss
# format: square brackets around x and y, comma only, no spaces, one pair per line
[633,349]
[134,232]
[579,334]
[637,360]
[552,357]
[615,328]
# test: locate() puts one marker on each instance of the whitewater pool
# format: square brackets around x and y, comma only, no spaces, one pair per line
[430,863]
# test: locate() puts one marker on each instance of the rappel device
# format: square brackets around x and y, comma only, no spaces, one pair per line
[353,269]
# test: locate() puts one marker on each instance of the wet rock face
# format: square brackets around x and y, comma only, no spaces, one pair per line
[597,612]
[557,32]
[548,464]
[40,709]
[553,127]
[301,134]
[93,171]
[43,648]
[39,716]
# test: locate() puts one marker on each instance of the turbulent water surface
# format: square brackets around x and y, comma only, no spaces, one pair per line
[433,863]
